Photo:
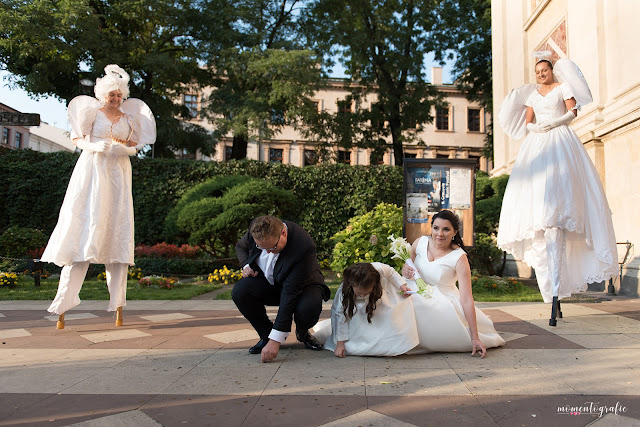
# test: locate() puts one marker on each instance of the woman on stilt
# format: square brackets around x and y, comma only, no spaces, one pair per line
[95,224]
[555,215]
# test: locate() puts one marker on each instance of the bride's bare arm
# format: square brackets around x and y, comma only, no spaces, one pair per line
[463,272]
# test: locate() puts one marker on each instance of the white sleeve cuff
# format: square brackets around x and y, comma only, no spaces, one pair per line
[278,336]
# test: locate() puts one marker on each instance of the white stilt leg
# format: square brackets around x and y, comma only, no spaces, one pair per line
[556,248]
[67,297]
[117,284]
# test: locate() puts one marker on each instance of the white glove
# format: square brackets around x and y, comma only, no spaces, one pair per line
[98,146]
[538,127]
[562,120]
[120,150]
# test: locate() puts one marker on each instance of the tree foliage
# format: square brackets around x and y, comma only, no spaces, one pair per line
[382,46]
[49,46]
[470,21]
[263,78]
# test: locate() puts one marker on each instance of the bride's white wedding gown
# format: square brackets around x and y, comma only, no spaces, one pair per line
[415,324]
[554,185]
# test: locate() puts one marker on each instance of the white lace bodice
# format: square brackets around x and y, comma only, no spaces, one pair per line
[102,127]
[551,105]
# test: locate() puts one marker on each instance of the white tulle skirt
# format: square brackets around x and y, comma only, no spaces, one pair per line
[554,184]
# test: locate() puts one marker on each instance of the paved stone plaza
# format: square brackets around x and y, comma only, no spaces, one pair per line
[179,363]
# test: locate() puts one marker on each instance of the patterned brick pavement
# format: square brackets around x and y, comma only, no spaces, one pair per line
[186,363]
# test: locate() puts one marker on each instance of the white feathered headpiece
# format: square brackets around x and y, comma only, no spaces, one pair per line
[115,78]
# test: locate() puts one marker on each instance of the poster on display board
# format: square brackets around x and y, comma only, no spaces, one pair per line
[431,185]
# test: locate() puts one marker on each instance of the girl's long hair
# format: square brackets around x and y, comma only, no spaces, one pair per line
[362,275]
[455,223]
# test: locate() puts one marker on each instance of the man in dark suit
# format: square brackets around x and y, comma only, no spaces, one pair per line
[279,267]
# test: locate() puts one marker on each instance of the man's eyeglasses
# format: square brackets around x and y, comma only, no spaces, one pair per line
[273,248]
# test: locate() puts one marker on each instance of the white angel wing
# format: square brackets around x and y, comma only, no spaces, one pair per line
[567,72]
[513,112]
[144,128]
[82,112]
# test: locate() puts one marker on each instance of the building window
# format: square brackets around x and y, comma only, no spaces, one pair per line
[344,107]
[473,120]
[442,118]
[18,140]
[410,155]
[317,105]
[310,158]
[275,155]
[228,152]
[344,157]
[5,136]
[191,102]
[377,117]
[376,158]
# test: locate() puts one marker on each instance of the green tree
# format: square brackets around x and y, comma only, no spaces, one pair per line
[469,22]
[263,78]
[49,46]
[382,45]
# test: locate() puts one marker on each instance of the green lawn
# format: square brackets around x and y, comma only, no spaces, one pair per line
[97,290]
[520,294]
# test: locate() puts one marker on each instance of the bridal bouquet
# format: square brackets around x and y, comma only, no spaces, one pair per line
[401,249]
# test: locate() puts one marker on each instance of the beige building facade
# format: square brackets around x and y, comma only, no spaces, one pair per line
[457,131]
[601,36]
[43,138]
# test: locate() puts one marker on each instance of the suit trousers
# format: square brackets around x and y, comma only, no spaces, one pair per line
[252,294]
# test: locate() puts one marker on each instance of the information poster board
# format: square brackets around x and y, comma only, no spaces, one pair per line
[431,185]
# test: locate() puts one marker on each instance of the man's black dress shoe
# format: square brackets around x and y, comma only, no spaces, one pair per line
[257,349]
[308,340]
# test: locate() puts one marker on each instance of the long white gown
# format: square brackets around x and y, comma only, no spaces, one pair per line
[554,185]
[96,223]
[409,325]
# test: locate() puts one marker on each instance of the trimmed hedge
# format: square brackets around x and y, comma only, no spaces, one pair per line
[33,184]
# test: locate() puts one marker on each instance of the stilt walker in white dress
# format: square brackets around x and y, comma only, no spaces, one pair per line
[555,215]
[95,224]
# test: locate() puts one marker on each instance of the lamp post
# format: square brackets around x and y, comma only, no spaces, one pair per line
[86,86]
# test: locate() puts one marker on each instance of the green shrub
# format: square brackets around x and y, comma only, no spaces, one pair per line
[485,256]
[17,242]
[216,223]
[365,238]
[213,188]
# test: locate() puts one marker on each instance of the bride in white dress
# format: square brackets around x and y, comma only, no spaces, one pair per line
[95,224]
[446,322]
[555,215]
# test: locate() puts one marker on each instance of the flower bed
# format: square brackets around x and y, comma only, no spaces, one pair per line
[224,275]
[157,282]
[8,279]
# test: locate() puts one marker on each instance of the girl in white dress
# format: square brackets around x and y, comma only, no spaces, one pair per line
[555,215]
[369,315]
[95,224]
[373,316]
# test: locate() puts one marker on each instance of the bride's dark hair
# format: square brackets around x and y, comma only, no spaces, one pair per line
[360,276]
[547,61]
[455,223]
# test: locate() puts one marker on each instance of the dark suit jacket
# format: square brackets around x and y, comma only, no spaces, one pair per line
[296,268]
